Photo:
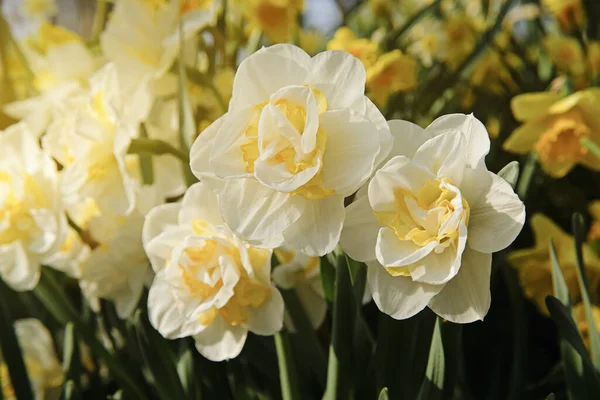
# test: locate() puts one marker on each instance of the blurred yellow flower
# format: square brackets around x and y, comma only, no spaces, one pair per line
[493,127]
[391,73]
[582,322]
[565,53]
[209,108]
[535,269]
[593,55]
[276,18]
[51,35]
[553,127]
[569,13]
[311,40]
[428,42]
[461,36]
[491,73]
[365,50]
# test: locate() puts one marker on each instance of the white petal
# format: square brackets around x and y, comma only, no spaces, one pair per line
[221,341]
[350,151]
[318,230]
[256,212]
[359,235]
[263,73]
[477,136]
[398,296]
[159,249]
[201,203]
[164,314]
[393,252]
[267,319]
[157,220]
[408,137]
[202,147]
[444,155]
[340,76]
[466,298]
[398,173]
[16,269]
[497,218]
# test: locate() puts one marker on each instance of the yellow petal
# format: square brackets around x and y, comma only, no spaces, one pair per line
[533,105]
[523,138]
[557,169]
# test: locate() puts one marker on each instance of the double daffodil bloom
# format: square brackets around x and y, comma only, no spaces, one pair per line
[209,284]
[553,127]
[535,268]
[430,219]
[299,136]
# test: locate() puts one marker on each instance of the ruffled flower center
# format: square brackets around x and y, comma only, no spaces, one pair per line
[562,141]
[203,270]
[433,214]
[304,271]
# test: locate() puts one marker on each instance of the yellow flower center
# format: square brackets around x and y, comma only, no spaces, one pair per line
[286,256]
[425,217]
[15,210]
[191,5]
[296,114]
[201,273]
[561,142]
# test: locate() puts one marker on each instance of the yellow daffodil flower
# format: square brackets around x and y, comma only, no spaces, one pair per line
[391,73]
[554,126]
[569,13]
[365,50]
[278,19]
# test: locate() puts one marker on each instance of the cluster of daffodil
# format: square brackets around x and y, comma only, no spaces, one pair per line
[196,160]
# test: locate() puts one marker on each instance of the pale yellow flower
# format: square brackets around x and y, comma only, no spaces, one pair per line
[490,73]
[461,34]
[569,13]
[429,42]
[535,269]
[278,19]
[553,127]
[311,40]
[365,50]
[593,55]
[565,52]
[391,73]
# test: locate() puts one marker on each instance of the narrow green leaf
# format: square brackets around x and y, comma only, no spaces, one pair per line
[70,391]
[510,173]
[328,278]
[591,146]
[582,380]
[71,357]
[146,167]
[156,147]
[287,370]
[186,371]
[11,351]
[306,335]
[579,233]
[561,291]
[551,396]
[58,304]
[158,358]
[339,367]
[383,395]
[433,385]
[118,395]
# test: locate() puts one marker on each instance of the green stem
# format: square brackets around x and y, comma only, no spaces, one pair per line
[156,147]
[203,80]
[287,370]
[591,146]
[58,304]
[99,18]
[527,176]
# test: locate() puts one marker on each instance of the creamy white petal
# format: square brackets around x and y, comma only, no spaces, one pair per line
[497,218]
[360,231]
[200,202]
[350,152]
[267,319]
[256,212]
[444,155]
[408,137]
[202,147]
[318,230]
[393,252]
[19,271]
[466,298]
[156,221]
[221,341]
[398,296]
[477,135]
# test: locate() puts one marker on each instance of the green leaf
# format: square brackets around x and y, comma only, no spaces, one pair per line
[70,391]
[433,385]
[579,234]
[582,380]
[11,351]
[383,395]
[328,278]
[158,358]
[59,305]
[287,370]
[71,357]
[561,291]
[306,335]
[340,350]
[510,173]
[186,371]
[118,395]
[156,147]
[146,167]
[551,396]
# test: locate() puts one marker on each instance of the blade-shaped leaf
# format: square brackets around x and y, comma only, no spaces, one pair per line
[70,391]
[287,370]
[561,291]
[594,337]
[433,385]
[71,357]
[383,395]
[510,173]
[328,278]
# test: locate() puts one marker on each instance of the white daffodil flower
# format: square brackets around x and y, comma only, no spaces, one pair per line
[32,223]
[301,273]
[299,137]
[209,284]
[431,219]
[45,372]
